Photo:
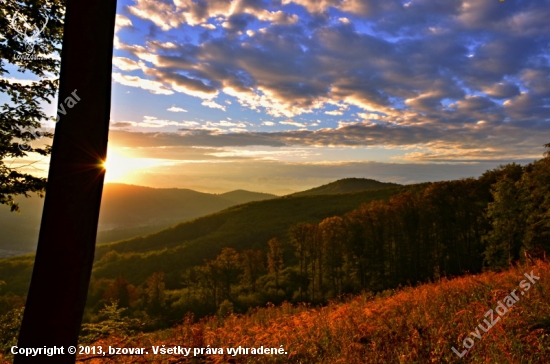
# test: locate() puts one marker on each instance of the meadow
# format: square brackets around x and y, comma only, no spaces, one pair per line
[407,325]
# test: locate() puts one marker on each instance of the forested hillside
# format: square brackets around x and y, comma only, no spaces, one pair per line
[316,248]
[247,226]
[346,185]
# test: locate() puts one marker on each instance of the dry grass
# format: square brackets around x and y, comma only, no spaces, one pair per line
[413,325]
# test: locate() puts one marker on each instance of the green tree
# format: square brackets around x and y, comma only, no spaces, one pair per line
[536,186]
[21,119]
[111,320]
[507,215]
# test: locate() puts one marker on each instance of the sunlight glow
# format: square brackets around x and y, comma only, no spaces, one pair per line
[119,166]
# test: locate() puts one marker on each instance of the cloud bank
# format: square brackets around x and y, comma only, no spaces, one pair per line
[459,79]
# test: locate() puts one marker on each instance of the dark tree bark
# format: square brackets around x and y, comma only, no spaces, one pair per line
[66,245]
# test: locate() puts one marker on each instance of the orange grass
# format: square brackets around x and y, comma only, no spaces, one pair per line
[412,325]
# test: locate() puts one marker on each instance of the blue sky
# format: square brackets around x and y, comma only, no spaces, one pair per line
[284,95]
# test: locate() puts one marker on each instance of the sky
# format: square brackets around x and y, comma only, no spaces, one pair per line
[283,95]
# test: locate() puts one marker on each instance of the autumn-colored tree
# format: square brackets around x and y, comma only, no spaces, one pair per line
[333,237]
[122,291]
[154,290]
[253,266]
[228,267]
[209,280]
[299,239]
[275,259]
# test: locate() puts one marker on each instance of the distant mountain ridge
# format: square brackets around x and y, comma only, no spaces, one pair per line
[247,226]
[346,185]
[173,249]
[130,211]
[126,211]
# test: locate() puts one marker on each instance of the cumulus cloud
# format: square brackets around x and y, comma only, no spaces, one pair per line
[154,87]
[292,122]
[212,104]
[501,90]
[172,14]
[122,21]
[469,143]
[425,72]
[176,109]
[125,64]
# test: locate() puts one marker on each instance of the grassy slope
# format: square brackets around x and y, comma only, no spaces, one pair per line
[413,325]
[247,226]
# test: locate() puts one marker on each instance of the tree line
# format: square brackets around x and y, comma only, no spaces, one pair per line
[444,230]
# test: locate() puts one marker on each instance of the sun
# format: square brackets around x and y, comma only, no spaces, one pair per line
[119,166]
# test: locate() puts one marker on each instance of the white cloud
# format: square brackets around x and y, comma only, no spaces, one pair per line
[225,124]
[135,81]
[364,115]
[176,109]
[284,71]
[126,64]
[292,122]
[13,80]
[189,123]
[122,22]
[213,104]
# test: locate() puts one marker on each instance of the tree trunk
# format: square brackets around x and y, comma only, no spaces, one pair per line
[66,244]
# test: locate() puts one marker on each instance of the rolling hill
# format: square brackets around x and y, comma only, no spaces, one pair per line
[127,211]
[346,185]
[247,226]
[242,196]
